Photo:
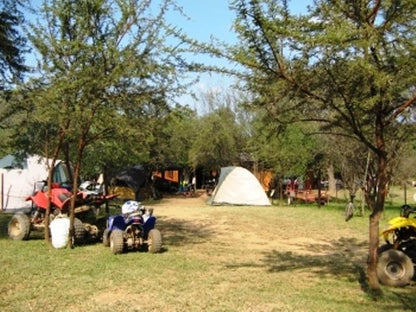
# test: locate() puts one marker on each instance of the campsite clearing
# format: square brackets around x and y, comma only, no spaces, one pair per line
[215,258]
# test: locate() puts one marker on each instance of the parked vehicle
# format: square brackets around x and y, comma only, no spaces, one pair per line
[210,186]
[22,224]
[134,229]
[397,256]
[20,176]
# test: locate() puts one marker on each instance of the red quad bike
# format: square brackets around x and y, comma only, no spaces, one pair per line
[134,229]
[86,206]
[397,256]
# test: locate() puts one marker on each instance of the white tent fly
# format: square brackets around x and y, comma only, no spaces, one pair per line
[238,186]
[19,179]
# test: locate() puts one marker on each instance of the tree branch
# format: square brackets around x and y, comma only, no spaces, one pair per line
[403,107]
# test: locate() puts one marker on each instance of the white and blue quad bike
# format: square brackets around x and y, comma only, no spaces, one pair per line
[134,229]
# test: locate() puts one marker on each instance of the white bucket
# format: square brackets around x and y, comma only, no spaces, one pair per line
[59,232]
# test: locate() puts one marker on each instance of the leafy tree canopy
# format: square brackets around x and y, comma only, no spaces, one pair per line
[106,69]
[347,65]
[218,140]
[12,43]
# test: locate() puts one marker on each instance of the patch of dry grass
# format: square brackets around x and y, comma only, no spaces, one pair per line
[278,258]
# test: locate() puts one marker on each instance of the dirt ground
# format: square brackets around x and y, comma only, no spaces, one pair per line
[276,230]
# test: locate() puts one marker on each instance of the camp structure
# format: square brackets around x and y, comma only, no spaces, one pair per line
[238,186]
[19,178]
[127,182]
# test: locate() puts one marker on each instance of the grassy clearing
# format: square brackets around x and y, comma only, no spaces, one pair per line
[279,258]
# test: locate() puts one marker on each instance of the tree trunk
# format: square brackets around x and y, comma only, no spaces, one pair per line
[74,193]
[373,247]
[48,208]
[319,188]
[71,234]
[365,177]
[46,220]
[332,187]
[374,223]
[51,168]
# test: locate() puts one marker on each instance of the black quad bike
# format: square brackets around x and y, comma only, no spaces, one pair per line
[397,256]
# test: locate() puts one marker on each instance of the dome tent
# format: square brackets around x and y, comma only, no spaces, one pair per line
[238,186]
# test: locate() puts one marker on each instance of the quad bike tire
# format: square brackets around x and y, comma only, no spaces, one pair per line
[116,242]
[19,227]
[154,241]
[79,232]
[106,239]
[394,268]
[383,248]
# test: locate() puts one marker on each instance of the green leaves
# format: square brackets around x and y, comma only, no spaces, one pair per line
[13,44]
[106,70]
[338,64]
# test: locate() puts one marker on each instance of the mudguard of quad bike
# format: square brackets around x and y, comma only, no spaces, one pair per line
[397,223]
[60,197]
[116,223]
[149,225]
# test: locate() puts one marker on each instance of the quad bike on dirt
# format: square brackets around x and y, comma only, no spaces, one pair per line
[397,256]
[87,204]
[134,229]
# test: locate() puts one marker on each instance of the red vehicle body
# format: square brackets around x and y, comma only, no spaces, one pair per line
[21,224]
[60,198]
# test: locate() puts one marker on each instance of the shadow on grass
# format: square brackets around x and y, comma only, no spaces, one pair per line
[407,298]
[337,258]
[177,232]
[342,258]
[4,222]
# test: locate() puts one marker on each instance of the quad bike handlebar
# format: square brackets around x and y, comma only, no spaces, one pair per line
[406,210]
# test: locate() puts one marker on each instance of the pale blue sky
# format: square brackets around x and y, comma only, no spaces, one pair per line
[213,18]
[209,18]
